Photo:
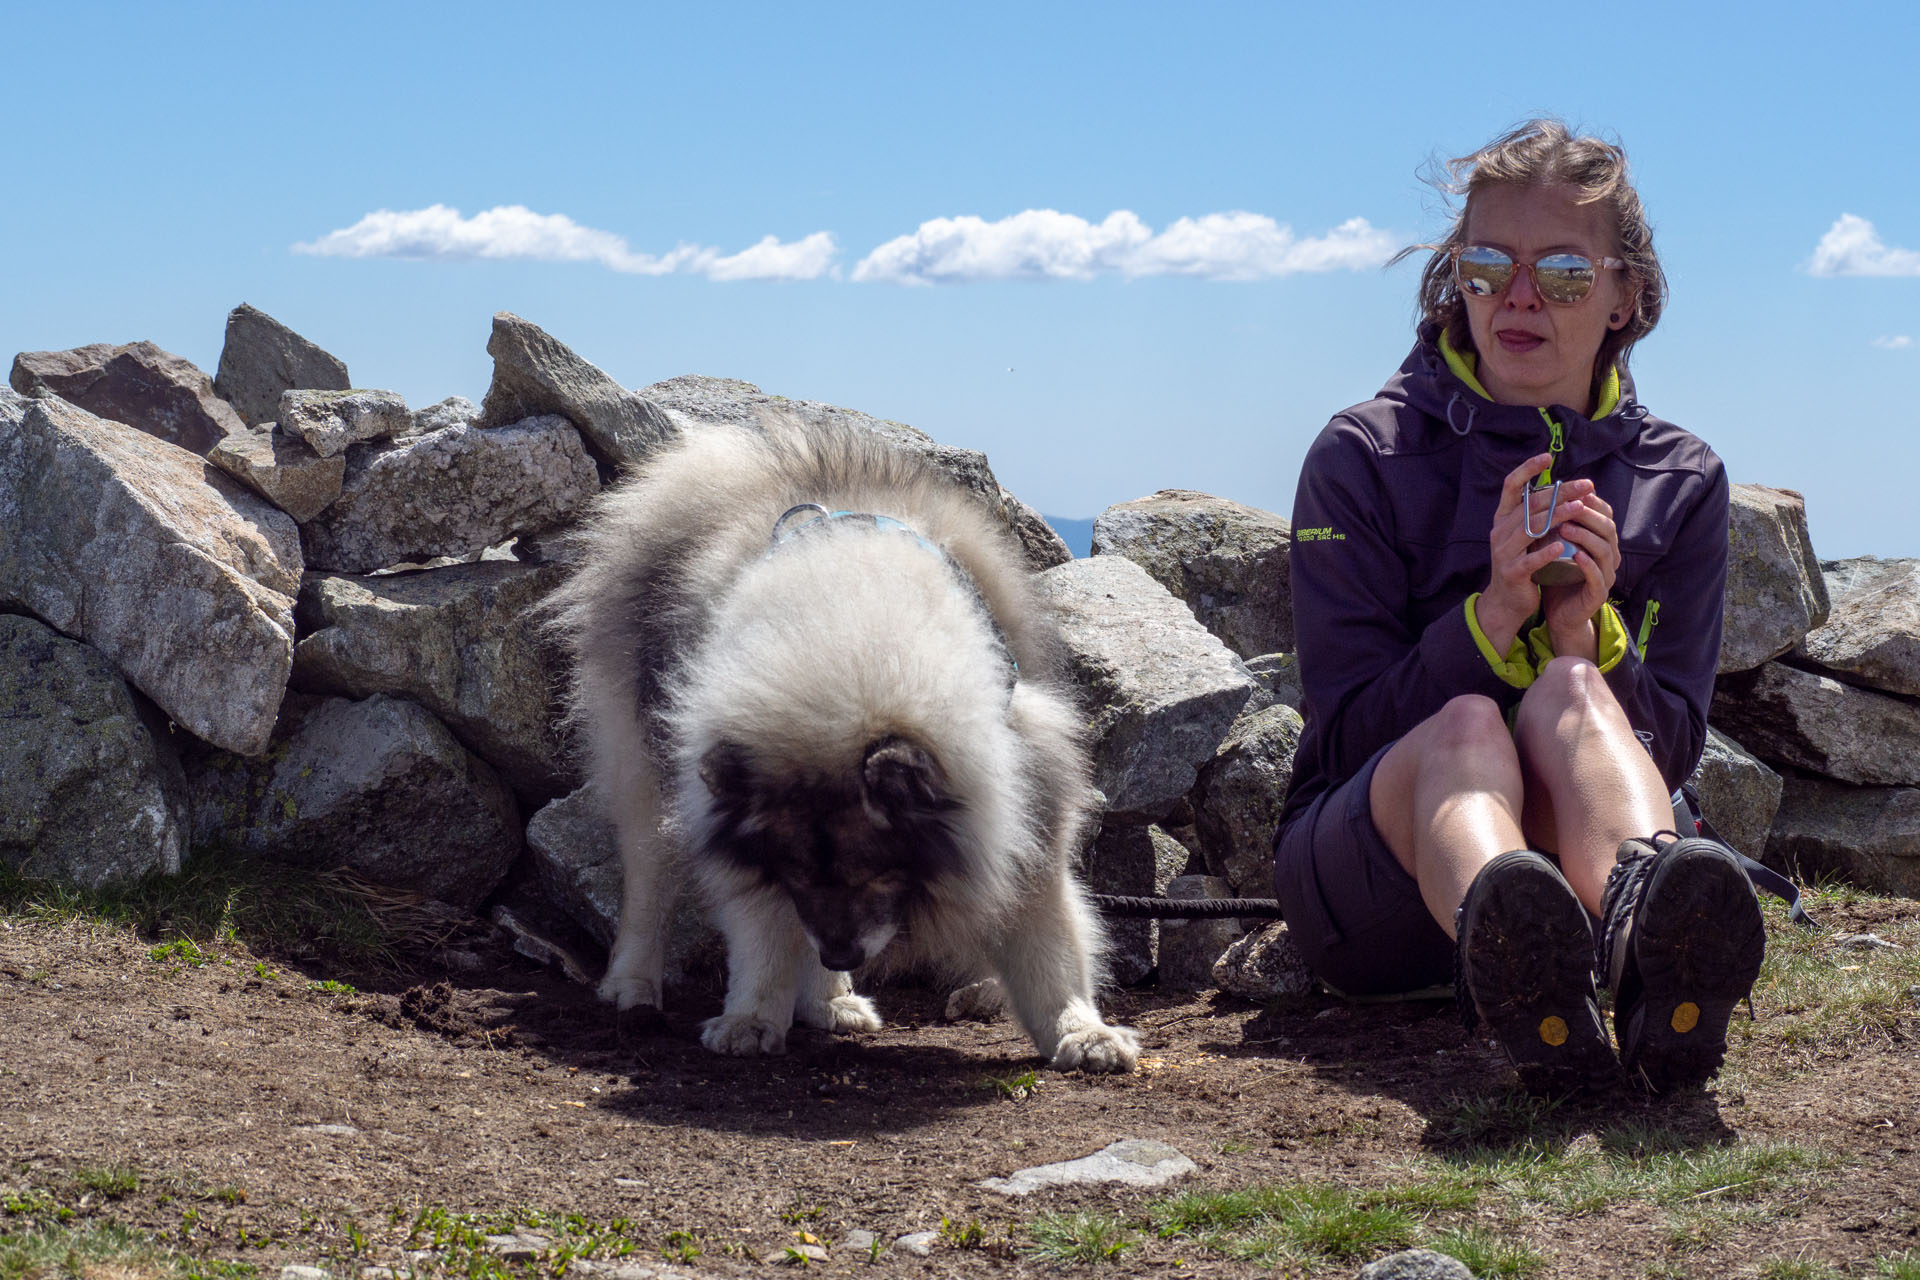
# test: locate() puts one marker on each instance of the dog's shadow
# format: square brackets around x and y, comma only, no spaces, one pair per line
[823,1088]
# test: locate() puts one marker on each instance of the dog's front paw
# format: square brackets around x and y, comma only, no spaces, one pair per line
[628,990]
[743,1036]
[1097,1048]
[852,1013]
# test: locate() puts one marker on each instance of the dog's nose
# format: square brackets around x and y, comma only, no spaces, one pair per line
[842,955]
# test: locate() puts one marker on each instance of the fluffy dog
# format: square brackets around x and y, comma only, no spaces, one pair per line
[812,674]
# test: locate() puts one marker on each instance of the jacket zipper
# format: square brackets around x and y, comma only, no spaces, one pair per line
[1648,621]
[1555,443]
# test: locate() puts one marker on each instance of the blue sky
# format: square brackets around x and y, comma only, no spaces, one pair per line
[742,190]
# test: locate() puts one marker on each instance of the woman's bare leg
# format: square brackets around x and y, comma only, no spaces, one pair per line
[1588,782]
[1447,799]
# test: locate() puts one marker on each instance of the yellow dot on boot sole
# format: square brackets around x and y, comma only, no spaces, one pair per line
[1553,1030]
[1686,1016]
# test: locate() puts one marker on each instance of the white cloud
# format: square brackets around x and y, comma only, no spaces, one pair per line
[515,232]
[1897,342]
[1044,244]
[1852,247]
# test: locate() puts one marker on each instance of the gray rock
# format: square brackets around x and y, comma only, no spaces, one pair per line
[262,359]
[454,411]
[1132,1162]
[1868,836]
[1872,634]
[281,468]
[329,421]
[1161,690]
[521,1246]
[371,785]
[535,374]
[1279,677]
[1775,594]
[294,1271]
[1045,548]
[164,564]
[576,863]
[799,1254]
[693,399]
[858,1241]
[1264,965]
[90,787]
[1416,1264]
[982,1001]
[1238,796]
[463,641]
[137,384]
[452,493]
[1227,561]
[1814,722]
[918,1243]
[1190,948]
[1738,794]
[1136,862]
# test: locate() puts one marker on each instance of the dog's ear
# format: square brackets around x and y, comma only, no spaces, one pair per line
[901,783]
[728,775]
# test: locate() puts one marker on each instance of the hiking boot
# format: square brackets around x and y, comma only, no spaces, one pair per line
[1681,941]
[1523,960]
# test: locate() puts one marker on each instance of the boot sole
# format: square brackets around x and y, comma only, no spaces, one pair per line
[1529,969]
[1698,940]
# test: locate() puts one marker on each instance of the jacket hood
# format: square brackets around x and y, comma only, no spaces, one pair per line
[1426,382]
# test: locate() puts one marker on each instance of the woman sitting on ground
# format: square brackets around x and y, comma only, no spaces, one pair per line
[1482,790]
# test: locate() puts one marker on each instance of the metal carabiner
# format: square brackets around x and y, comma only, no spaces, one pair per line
[1526,513]
[1562,570]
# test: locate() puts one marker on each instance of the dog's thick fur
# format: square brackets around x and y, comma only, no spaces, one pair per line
[855,738]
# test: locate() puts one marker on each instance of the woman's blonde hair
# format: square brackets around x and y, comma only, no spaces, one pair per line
[1545,153]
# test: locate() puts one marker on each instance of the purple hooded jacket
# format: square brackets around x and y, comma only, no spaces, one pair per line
[1390,536]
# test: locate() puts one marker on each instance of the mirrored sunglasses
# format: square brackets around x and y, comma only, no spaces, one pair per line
[1560,277]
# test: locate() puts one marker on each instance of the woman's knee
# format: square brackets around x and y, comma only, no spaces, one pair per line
[1470,722]
[1465,740]
[1567,685]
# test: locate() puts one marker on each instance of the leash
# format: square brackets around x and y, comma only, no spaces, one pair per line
[1124,908]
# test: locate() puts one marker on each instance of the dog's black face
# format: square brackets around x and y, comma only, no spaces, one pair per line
[852,853]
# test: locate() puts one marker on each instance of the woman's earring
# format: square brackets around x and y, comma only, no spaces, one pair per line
[1614,318]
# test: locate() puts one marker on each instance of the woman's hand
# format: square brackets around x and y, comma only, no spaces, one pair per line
[1511,595]
[1586,524]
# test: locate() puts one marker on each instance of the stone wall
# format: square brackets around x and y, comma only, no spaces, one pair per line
[316,638]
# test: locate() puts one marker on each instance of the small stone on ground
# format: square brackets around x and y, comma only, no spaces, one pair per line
[1136,1162]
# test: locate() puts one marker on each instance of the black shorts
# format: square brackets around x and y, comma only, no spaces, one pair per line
[1353,911]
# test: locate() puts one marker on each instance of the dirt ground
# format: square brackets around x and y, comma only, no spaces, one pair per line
[272,1120]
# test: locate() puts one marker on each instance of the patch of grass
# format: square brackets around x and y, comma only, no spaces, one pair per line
[1905,1266]
[681,1246]
[971,1236]
[113,1181]
[1014,1088]
[223,898]
[460,1240]
[104,1252]
[800,1211]
[1797,1269]
[1816,995]
[1334,1222]
[1487,1119]
[1301,1221]
[181,953]
[332,988]
[1072,1239]
[1487,1254]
